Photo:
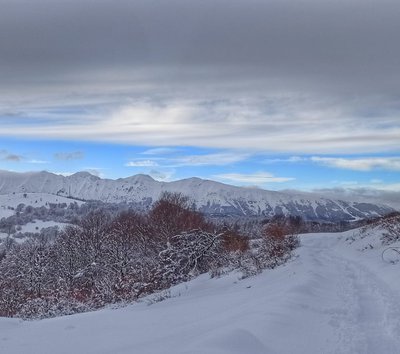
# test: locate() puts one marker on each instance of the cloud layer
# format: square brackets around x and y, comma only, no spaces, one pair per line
[259,178]
[342,44]
[363,164]
[242,79]
[277,76]
[214,159]
[286,124]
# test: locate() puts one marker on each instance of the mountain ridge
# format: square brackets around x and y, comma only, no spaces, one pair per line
[210,197]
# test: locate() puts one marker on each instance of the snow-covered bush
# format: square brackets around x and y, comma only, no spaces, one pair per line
[189,254]
[51,306]
[388,226]
[391,226]
[279,239]
[106,259]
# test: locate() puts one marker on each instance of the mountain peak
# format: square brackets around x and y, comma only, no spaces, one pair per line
[210,197]
[139,178]
[84,174]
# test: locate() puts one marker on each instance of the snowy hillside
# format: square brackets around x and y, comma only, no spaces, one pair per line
[336,297]
[9,202]
[210,197]
[34,227]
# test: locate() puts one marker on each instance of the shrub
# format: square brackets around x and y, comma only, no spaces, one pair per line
[105,259]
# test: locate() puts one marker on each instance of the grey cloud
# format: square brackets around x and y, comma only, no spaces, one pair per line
[329,67]
[347,44]
[67,156]
[5,155]
[375,195]
[13,158]
[10,114]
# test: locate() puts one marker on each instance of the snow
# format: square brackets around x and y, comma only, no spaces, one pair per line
[12,200]
[34,227]
[3,235]
[336,296]
[5,212]
[37,225]
[209,196]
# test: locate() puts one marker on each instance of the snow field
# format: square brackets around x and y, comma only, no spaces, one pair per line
[331,298]
[38,225]
[33,199]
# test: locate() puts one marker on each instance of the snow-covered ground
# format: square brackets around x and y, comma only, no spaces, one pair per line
[34,227]
[34,199]
[5,212]
[208,196]
[38,225]
[3,235]
[337,296]
[9,202]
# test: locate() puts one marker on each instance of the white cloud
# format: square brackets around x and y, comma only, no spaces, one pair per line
[357,164]
[160,151]
[164,176]
[388,187]
[293,159]
[65,174]
[384,193]
[141,163]
[285,124]
[376,181]
[360,164]
[217,159]
[38,161]
[348,183]
[256,178]
[95,171]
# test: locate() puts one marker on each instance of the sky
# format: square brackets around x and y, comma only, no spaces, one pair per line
[288,94]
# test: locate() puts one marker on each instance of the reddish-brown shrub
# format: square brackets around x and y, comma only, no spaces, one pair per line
[172,214]
[234,242]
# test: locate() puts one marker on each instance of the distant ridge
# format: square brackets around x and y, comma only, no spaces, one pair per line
[210,197]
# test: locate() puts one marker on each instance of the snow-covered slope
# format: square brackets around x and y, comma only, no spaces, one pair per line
[210,197]
[37,225]
[9,202]
[335,297]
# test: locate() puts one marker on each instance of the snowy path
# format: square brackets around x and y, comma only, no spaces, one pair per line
[364,311]
[330,299]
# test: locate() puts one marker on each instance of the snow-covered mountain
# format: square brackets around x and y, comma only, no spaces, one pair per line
[209,197]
